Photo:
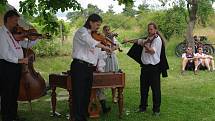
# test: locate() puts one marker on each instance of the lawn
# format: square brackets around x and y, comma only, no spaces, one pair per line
[186,97]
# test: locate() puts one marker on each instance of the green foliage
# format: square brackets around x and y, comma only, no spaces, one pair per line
[91,9]
[143,7]
[65,26]
[129,11]
[205,9]
[173,21]
[78,23]
[119,21]
[45,10]
[110,9]
[47,47]
[73,16]
[126,2]
[2,5]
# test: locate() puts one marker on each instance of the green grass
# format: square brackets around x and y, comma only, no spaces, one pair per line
[184,98]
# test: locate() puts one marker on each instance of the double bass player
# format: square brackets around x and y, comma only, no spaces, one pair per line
[11,60]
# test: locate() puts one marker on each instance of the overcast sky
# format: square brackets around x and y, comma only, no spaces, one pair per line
[102,4]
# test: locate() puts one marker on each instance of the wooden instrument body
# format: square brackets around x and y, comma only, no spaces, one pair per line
[32,84]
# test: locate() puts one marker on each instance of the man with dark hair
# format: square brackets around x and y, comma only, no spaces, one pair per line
[11,58]
[82,66]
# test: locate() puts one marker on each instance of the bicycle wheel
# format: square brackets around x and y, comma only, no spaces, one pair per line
[208,49]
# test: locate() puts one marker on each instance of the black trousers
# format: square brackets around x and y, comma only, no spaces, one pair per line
[150,77]
[10,74]
[82,77]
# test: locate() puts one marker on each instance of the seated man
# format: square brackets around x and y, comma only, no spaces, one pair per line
[187,60]
[203,60]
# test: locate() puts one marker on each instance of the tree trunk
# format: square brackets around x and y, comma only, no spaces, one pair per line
[189,34]
[192,7]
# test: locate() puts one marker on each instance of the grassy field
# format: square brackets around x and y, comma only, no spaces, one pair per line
[184,98]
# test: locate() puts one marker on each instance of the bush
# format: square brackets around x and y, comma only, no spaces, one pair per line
[119,21]
[46,47]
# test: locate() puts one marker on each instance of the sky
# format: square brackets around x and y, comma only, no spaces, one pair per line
[102,4]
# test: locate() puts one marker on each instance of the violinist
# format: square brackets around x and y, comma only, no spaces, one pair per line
[11,58]
[151,66]
[111,60]
[82,65]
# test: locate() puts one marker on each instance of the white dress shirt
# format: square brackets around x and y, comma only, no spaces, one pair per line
[10,49]
[148,58]
[84,46]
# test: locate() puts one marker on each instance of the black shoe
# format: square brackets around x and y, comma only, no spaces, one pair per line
[157,114]
[105,109]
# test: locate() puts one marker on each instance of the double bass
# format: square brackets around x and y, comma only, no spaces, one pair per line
[32,84]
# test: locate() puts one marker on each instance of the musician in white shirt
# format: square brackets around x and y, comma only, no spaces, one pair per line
[82,66]
[11,58]
[150,70]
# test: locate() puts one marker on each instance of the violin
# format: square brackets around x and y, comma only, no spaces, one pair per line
[104,40]
[20,34]
[148,40]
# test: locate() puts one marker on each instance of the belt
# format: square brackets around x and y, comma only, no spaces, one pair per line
[83,62]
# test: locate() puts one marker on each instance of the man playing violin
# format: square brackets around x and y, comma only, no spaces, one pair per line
[151,68]
[82,66]
[11,58]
